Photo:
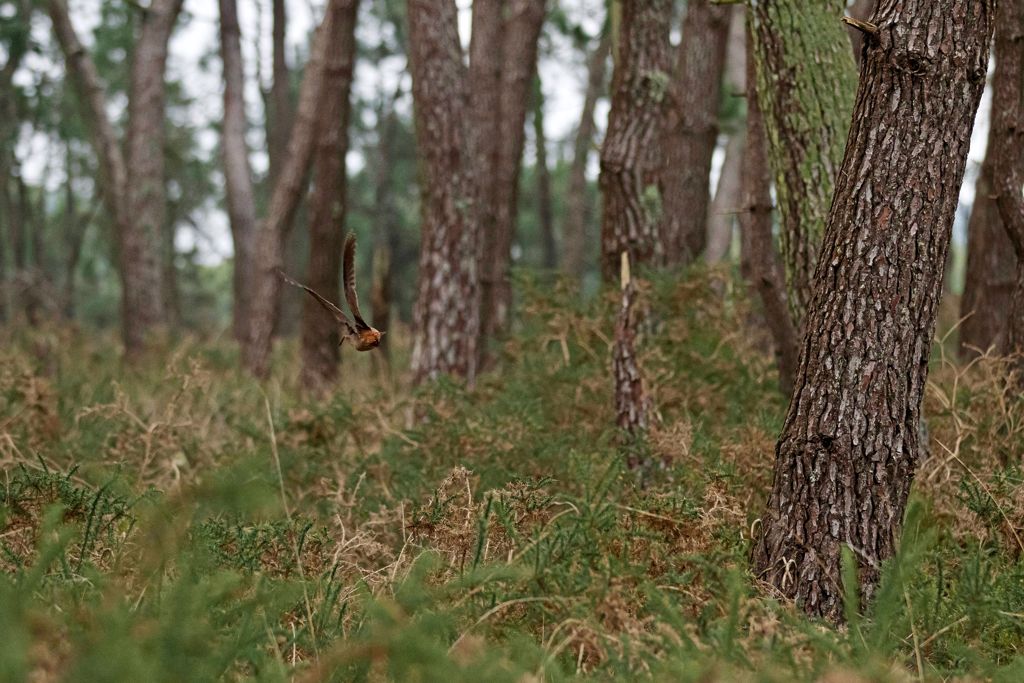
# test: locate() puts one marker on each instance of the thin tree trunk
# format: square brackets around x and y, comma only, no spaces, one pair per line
[545,209]
[521,33]
[485,61]
[760,261]
[578,214]
[806,83]
[328,205]
[241,198]
[850,445]
[991,266]
[691,131]
[632,404]
[640,84]
[280,115]
[284,201]
[1008,136]
[386,233]
[860,10]
[447,310]
[726,204]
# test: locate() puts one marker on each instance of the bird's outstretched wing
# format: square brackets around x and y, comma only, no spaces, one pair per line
[349,265]
[338,314]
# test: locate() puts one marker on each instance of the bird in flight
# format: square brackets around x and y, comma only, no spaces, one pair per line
[362,336]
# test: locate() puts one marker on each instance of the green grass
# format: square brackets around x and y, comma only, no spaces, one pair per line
[145,532]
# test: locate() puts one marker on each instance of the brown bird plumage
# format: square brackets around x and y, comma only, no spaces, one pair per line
[362,336]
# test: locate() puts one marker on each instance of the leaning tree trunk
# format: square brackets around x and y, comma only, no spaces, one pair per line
[850,445]
[640,83]
[447,311]
[521,33]
[691,131]
[288,191]
[728,196]
[578,209]
[327,225]
[760,261]
[1008,134]
[241,198]
[806,82]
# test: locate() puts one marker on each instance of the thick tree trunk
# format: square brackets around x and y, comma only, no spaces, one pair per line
[760,261]
[806,82]
[327,225]
[241,198]
[850,445]
[578,213]
[521,33]
[691,131]
[288,192]
[726,204]
[139,207]
[1008,137]
[640,85]
[447,311]
[545,209]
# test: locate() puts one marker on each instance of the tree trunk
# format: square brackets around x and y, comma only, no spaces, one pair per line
[760,261]
[632,404]
[139,207]
[447,311]
[521,33]
[386,231]
[545,209]
[806,82]
[726,205]
[991,266]
[241,198]
[288,192]
[640,83]
[691,131]
[850,445]
[1008,136]
[328,204]
[578,209]
[279,115]
[860,10]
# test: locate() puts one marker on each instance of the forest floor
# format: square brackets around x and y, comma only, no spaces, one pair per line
[181,522]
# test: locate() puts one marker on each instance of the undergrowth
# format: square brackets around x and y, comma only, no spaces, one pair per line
[179,521]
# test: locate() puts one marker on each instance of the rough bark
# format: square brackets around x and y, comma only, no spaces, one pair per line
[640,82]
[284,201]
[139,207]
[1008,134]
[447,310]
[691,131]
[520,36]
[760,261]
[328,204]
[850,445]
[578,213]
[632,404]
[726,204]
[241,198]
[806,82]
[545,209]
